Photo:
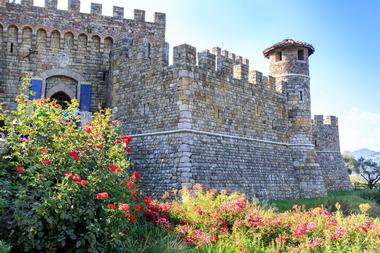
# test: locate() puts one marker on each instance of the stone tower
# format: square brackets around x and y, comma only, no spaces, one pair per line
[289,65]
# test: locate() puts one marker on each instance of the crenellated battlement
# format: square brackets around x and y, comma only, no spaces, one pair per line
[320,120]
[224,65]
[96,11]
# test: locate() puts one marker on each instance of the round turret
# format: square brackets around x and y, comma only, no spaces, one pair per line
[289,64]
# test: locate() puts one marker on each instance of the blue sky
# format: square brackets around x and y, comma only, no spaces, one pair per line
[344,68]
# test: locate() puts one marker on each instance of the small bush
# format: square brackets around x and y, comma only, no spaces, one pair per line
[65,187]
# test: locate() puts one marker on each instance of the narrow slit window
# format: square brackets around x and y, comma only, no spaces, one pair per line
[279,56]
[11,49]
[104,75]
[149,49]
[301,55]
[301,95]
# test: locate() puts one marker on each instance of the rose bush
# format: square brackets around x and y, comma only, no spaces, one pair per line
[65,187]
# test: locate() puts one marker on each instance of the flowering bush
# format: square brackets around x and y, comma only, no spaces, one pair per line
[66,187]
[229,223]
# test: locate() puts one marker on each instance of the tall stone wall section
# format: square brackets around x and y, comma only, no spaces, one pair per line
[326,141]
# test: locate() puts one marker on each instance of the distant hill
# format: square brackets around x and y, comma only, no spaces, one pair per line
[367,154]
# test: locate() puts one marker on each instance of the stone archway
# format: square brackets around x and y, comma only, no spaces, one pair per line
[62,98]
[68,77]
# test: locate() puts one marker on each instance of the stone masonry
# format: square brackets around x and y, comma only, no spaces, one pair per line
[207,118]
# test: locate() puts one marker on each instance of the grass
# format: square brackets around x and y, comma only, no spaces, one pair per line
[349,201]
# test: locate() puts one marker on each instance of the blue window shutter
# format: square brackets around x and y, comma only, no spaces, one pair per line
[85,97]
[36,88]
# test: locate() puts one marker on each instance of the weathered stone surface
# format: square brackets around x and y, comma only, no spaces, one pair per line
[205,119]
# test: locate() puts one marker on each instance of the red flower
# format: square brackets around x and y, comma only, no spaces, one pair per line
[46,161]
[199,211]
[138,208]
[133,198]
[44,151]
[134,192]
[114,168]
[20,168]
[148,200]
[117,141]
[76,179]
[111,206]
[132,218]
[126,138]
[128,149]
[102,195]
[74,155]
[83,183]
[129,183]
[99,147]
[68,173]
[135,175]
[88,130]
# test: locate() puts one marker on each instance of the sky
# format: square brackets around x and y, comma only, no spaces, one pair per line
[345,33]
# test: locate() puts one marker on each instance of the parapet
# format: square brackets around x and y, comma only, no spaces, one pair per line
[96,10]
[319,120]
[184,55]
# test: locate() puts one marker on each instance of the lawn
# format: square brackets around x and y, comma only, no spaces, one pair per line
[349,201]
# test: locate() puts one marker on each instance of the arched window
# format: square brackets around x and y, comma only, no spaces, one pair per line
[69,40]
[82,42]
[12,38]
[27,37]
[61,98]
[108,42]
[96,43]
[41,38]
[55,39]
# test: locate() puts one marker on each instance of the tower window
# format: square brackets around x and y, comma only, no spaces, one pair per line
[301,55]
[149,49]
[301,95]
[279,56]
[11,48]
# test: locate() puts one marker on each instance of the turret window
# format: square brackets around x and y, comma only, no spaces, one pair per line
[301,95]
[278,56]
[301,55]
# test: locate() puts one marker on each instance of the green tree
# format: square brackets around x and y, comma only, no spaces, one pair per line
[351,163]
[370,171]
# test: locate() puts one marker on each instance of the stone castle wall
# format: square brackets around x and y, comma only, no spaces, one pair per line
[73,44]
[326,142]
[205,119]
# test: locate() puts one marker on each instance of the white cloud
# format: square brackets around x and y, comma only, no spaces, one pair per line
[359,129]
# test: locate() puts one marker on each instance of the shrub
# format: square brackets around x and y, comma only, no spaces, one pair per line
[65,187]
[214,222]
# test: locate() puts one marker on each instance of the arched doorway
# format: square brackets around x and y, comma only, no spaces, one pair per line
[61,98]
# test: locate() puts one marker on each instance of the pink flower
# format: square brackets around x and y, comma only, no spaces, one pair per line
[83,183]
[281,239]
[188,240]
[44,151]
[102,195]
[20,169]
[126,138]
[123,207]
[46,161]
[77,179]
[74,155]
[114,168]
[99,147]
[68,173]
[129,183]
[111,206]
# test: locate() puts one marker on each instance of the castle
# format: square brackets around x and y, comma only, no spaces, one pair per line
[204,119]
